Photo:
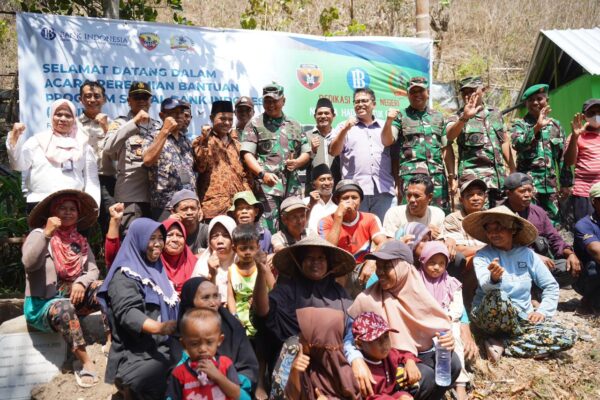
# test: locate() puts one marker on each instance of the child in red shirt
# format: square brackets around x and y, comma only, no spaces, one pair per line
[387,365]
[205,375]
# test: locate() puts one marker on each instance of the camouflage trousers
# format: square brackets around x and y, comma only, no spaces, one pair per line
[549,202]
[440,190]
[270,217]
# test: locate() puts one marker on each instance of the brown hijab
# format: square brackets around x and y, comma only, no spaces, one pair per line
[322,331]
[407,307]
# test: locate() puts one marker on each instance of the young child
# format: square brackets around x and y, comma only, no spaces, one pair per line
[447,291]
[395,372]
[247,210]
[320,369]
[242,274]
[204,375]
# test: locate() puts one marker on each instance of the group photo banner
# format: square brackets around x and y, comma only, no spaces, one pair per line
[201,65]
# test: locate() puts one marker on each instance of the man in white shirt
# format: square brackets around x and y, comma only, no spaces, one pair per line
[419,194]
[319,202]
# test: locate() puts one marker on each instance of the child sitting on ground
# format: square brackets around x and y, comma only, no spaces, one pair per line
[320,370]
[395,372]
[204,375]
[447,291]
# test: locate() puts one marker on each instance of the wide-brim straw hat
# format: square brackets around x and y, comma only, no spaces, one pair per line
[474,225]
[88,209]
[340,262]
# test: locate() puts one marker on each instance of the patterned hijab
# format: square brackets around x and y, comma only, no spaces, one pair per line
[131,260]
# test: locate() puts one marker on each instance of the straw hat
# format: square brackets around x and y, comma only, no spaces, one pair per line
[88,210]
[288,259]
[474,223]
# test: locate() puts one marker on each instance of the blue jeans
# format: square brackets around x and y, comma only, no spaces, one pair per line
[377,204]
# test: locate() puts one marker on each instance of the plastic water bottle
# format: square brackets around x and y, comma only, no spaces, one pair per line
[443,358]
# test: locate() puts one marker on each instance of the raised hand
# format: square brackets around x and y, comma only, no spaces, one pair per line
[102,120]
[141,118]
[496,271]
[471,107]
[543,119]
[52,225]
[578,125]
[170,124]
[17,131]
[392,113]
[116,211]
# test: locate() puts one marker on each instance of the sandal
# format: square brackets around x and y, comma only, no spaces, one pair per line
[494,349]
[84,373]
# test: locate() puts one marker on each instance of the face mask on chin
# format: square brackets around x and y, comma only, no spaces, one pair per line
[593,121]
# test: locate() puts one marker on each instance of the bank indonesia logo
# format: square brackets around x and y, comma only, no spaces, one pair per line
[149,40]
[48,33]
[182,43]
[358,78]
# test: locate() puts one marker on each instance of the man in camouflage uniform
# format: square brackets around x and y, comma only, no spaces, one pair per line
[482,143]
[274,147]
[539,142]
[420,136]
[124,143]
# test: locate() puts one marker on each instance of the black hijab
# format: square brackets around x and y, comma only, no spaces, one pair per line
[236,344]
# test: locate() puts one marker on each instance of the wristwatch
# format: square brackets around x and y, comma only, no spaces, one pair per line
[260,175]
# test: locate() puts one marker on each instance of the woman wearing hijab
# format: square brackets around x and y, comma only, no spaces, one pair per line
[142,306]
[401,298]
[56,159]
[177,258]
[307,272]
[328,373]
[61,272]
[506,270]
[199,292]
[215,261]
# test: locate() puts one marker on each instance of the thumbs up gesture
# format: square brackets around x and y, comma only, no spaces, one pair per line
[301,361]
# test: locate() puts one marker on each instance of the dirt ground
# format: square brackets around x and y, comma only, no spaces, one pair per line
[569,376]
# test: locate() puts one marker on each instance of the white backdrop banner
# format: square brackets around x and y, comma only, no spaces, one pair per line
[58,53]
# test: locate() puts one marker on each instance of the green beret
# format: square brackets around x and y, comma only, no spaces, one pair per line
[539,88]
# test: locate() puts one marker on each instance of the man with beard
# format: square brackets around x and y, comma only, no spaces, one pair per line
[558,256]
[363,156]
[274,148]
[167,153]
[539,142]
[420,134]
[319,201]
[124,143]
[217,156]
[244,111]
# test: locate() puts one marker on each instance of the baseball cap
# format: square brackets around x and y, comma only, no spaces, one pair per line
[466,180]
[244,101]
[369,326]
[517,180]
[138,87]
[346,185]
[170,103]
[291,203]
[471,82]
[595,190]
[392,250]
[418,81]
[589,104]
[273,90]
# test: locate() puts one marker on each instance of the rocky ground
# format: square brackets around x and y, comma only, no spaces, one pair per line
[570,375]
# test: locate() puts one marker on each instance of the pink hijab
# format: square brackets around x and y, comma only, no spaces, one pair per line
[59,147]
[443,287]
[407,307]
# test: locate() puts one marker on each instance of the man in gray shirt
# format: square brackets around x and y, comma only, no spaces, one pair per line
[124,143]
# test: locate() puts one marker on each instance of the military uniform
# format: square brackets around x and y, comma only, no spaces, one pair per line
[421,136]
[273,141]
[542,159]
[480,150]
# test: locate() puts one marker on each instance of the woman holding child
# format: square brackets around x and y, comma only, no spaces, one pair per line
[61,272]
[506,270]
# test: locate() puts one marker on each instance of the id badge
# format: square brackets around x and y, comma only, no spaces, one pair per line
[185,177]
[67,166]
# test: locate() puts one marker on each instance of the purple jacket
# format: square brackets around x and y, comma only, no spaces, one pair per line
[539,218]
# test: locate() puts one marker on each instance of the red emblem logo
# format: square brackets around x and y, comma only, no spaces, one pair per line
[149,40]
[310,76]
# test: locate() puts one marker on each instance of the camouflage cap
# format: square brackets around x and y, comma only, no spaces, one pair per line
[138,87]
[469,179]
[540,88]
[418,81]
[273,90]
[471,82]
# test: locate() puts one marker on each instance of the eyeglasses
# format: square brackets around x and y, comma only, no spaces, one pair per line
[362,101]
